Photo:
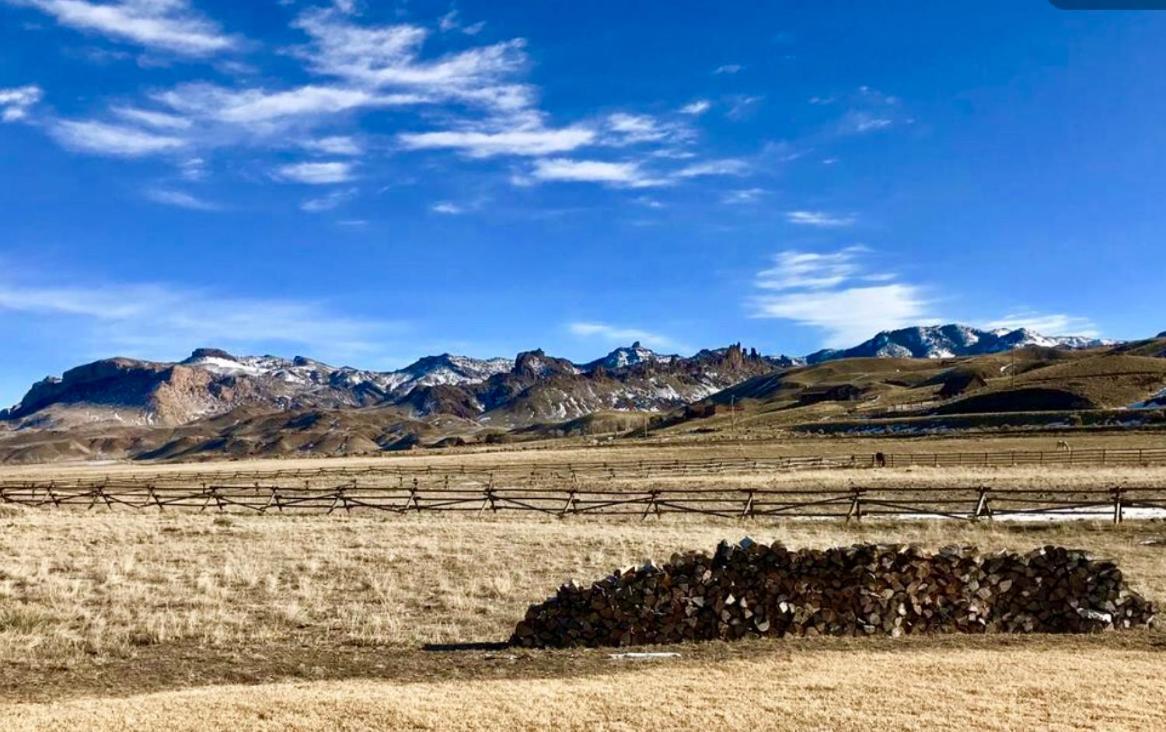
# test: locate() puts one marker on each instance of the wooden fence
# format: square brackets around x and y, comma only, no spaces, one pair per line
[853,504]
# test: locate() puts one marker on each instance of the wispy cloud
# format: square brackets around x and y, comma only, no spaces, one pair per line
[159,25]
[162,320]
[388,57]
[1054,324]
[447,208]
[630,129]
[180,199]
[831,291]
[619,335]
[743,196]
[15,102]
[728,69]
[316,173]
[112,139]
[520,142]
[334,145]
[699,107]
[870,111]
[820,219]
[328,201]
[724,166]
[741,106]
[620,174]
[152,118]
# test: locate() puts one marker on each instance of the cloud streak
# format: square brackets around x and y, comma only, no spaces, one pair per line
[834,293]
[819,219]
[15,102]
[160,25]
[162,320]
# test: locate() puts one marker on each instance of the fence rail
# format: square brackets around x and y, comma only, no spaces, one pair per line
[853,504]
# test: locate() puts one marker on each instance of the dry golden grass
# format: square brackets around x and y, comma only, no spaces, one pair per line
[563,451]
[74,585]
[137,620]
[999,689]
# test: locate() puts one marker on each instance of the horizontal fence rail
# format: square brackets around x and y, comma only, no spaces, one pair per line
[853,504]
[557,473]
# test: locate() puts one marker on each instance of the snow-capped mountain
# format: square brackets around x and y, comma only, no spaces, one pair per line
[532,387]
[628,356]
[948,341]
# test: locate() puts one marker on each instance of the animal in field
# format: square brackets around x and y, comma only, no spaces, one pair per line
[1063,446]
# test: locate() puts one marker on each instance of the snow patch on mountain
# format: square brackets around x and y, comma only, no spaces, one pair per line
[949,341]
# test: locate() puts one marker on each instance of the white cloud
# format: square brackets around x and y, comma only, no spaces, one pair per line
[181,199]
[448,22]
[264,111]
[728,69]
[379,57]
[1053,324]
[474,29]
[623,174]
[334,145]
[447,208]
[192,169]
[870,111]
[328,201]
[631,129]
[617,335]
[316,173]
[859,122]
[151,118]
[477,144]
[811,270]
[820,219]
[160,25]
[743,196]
[726,166]
[829,291]
[699,107]
[15,102]
[852,315]
[741,106]
[111,139]
[161,320]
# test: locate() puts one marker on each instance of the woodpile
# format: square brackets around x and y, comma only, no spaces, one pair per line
[750,590]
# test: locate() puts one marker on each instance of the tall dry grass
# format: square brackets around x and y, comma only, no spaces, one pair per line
[82,585]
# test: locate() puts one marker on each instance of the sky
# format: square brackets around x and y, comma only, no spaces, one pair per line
[368,182]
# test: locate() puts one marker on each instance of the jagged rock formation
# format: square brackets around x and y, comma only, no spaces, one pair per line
[533,387]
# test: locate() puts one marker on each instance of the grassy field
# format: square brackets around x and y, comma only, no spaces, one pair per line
[145,621]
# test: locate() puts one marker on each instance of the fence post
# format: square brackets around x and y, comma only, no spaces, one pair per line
[652,505]
[983,510]
[1117,506]
[855,511]
[569,507]
[747,512]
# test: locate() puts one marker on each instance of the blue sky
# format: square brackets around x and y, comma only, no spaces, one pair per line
[369,182]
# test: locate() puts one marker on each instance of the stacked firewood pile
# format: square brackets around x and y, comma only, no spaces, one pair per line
[751,589]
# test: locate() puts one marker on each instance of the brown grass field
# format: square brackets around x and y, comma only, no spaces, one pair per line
[139,620]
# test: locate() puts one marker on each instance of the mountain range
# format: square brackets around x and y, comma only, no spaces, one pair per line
[529,388]
[948,341]
[216,402]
